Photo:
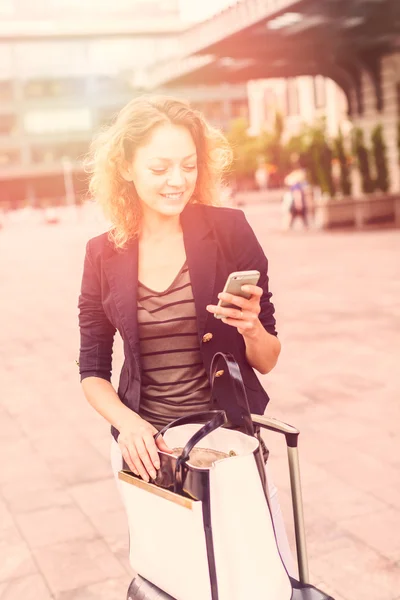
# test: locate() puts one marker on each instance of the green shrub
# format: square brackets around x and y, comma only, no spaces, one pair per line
[380,156]
[340,154]
[361,153]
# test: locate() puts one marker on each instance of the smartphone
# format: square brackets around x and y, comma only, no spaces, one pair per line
[234,284]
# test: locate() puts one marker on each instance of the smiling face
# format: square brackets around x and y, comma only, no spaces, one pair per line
[164,170]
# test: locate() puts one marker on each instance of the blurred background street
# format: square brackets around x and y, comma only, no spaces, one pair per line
[62,527]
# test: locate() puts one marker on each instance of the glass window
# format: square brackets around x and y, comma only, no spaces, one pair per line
[7,8]
[129,8]
[48,59]
[9,157]
[58,120]
[111,56]
[6,60]
[106,86]
[8,124]
[6,91]
[55,88]
[48,153]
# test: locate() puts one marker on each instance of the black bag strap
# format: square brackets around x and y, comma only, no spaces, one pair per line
[228,388]
[234,401]
[214,419]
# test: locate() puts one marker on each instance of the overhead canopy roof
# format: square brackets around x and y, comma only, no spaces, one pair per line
[257,39]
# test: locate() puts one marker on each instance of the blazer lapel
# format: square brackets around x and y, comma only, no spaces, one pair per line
[201,255]
[121,270]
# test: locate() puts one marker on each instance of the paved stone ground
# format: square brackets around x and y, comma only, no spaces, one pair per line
[62,527]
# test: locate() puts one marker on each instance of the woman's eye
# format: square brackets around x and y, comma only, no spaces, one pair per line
[189,167]
[158,171]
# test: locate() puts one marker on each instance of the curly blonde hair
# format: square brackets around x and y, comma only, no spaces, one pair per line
[115,145]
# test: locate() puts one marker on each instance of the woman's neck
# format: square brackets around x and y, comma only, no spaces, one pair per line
[156,227]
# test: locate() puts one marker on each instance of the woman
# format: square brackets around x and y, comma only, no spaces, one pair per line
[157,277]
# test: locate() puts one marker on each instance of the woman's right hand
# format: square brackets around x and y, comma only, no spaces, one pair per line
[139,449]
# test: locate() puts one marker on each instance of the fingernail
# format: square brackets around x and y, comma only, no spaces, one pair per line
[157,465]
[153,474]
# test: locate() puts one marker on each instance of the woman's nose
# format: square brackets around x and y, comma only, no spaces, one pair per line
[176,177]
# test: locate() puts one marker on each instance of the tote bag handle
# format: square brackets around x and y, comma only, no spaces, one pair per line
[231,395]
[228,388]
[214,419]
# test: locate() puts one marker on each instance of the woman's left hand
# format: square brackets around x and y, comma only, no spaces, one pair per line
[245,317]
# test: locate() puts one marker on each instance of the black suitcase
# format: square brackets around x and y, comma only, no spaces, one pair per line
[141,589]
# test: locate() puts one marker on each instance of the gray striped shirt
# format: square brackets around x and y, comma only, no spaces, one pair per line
[174,380]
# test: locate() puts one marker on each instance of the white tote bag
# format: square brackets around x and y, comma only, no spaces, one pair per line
[210,535]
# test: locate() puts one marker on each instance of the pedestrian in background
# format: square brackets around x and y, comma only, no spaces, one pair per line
[294,200]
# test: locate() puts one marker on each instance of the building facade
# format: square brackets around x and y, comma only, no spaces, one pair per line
[66,68]
[301,100]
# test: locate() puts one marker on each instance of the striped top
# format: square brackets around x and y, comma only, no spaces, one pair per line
[174,380]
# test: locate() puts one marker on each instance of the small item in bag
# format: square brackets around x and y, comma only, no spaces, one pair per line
[202,457]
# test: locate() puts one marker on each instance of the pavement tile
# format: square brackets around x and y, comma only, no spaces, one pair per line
[44,418]
[112,589]
[32,587]
[389,494]
[380,531]
[15,555]
[334,381]
[97,497]
[9,428]
[323,536]
[54,525]
[73,460]
[20,455]
[101,443]
[6,519]
[25,495]
[340,500]
[76,564]
[365,472]
[356,571]
[111,523]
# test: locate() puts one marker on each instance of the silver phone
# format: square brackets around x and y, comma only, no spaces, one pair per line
[234,284]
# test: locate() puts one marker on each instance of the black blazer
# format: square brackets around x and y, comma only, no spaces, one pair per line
[217,242]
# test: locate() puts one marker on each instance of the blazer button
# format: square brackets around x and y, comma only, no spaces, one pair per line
[207,337]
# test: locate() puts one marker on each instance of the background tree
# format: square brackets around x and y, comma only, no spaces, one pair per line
[343,158]
[246,151]
[361,153]
[320,158]
[272,148]
[380,157]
